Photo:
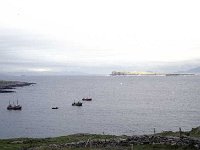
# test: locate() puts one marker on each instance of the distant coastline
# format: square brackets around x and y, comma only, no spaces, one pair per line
[125,73]
[9,86]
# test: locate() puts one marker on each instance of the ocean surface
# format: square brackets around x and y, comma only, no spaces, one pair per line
[121,105]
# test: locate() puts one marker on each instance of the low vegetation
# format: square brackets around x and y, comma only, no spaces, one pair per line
[195,132]
[25,143]
[51,143]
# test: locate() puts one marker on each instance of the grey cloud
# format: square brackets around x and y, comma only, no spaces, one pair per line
[13,45]
[20,52]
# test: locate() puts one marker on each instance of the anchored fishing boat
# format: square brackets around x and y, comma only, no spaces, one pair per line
[77,104]
[14,107]
[87,99]
[54,108]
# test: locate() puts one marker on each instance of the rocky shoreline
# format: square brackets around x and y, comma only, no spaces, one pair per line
[9,86]
[186,142]
[167,140]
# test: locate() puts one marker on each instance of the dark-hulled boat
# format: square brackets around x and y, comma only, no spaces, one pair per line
[17,107]
[87,99]
[77,104]
[54,108]
[14,107]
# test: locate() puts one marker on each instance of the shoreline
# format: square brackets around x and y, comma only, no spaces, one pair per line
[10,86]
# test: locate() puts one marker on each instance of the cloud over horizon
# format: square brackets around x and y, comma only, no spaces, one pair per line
[86,35]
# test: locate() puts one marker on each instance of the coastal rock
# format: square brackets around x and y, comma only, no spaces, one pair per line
[143,140]
[7,86]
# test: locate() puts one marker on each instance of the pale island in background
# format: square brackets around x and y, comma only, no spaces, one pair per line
[146,73]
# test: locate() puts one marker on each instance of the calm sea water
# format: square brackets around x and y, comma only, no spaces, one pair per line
[121,105]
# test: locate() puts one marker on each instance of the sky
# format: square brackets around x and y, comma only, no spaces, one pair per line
[98,36]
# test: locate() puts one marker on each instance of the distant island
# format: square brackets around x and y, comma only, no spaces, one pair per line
[8,86]
[119,73]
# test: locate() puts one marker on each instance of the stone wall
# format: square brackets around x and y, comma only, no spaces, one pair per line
[135,140]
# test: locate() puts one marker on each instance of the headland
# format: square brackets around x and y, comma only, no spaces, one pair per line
[9,86]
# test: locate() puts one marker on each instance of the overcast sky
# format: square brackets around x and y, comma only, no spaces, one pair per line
[59,35]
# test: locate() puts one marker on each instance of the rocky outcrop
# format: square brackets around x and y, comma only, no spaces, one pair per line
[8,86]
[134,140]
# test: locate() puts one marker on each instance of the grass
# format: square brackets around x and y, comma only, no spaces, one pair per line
[135,147]
[25,143]
[42,143]
[195,132]
[160,147]
[15,144]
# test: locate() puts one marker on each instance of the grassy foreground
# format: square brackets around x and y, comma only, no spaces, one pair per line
[43,143]
[25,143]
[195,132]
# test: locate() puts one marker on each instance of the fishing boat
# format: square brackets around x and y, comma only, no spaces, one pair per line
[54,108]
[14,107]
[87,99]
[77,104]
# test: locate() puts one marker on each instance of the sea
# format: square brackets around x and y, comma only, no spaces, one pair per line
[121,105]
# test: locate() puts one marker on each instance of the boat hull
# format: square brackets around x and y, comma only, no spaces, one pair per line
[54,108]
[77,104]
[87,99]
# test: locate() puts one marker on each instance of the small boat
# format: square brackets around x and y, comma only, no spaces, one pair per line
[77,104]
[87,99]
[54,108]
[14,107]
